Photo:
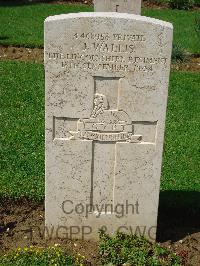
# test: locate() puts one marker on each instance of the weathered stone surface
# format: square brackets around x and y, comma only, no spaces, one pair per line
[106,78]
[121,6]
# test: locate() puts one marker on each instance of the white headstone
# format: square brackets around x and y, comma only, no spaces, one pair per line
[121,6]
[106,95]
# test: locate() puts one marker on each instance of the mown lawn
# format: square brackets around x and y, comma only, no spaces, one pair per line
[22,131]
[181,167]
[184,26]
[23,25]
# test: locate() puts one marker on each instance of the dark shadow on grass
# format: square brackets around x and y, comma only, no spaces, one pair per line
[21,2]
[7,3]
[178,215]
[4,38]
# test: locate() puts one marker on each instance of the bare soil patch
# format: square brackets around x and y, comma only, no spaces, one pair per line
[145,3]
[36,55]
[21,53]
[161,5]
[192,64]
[176,231]
[154,4]
[22,225]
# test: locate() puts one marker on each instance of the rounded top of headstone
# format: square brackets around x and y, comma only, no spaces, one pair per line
[109,15]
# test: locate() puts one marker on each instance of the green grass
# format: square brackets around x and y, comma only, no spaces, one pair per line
[123,249]
[34,256]
[120,249]
[184,26]
[23,25]
[181,168]
[22,129]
